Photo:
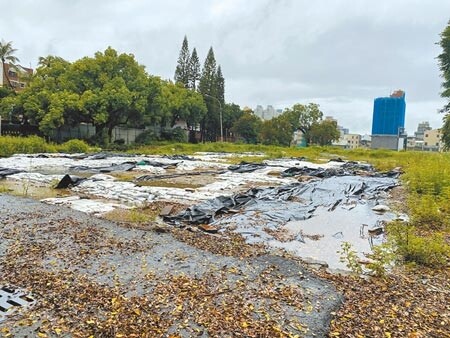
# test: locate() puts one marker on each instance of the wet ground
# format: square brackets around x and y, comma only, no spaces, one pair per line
[320,214]
[94,277]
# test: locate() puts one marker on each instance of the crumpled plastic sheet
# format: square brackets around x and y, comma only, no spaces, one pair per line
[277,205]
[245,167]
[7,171]
[347,169]
[69,181]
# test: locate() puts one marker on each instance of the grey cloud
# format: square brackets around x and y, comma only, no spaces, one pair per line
[339,53]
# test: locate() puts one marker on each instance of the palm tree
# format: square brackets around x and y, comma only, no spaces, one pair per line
[7,55]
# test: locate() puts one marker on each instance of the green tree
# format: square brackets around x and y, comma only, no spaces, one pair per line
[182,70]
[230,114]
[220,85]
[7,56]
[323,133]
[277,131]
[194,70]
[184,104]
[210,125]
[247,127]
[303,116]
[106,90]
[444,66]
[112,89]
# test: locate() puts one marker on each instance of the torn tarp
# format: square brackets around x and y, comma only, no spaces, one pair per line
[7,171]
[125,166]
[69,181]
[347,169]
[277,205]
[245,167]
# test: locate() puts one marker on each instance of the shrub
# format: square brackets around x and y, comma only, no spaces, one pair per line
[74,146]
[10,145]
[430,250]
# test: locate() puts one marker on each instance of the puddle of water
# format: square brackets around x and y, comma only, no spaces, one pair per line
[333,228]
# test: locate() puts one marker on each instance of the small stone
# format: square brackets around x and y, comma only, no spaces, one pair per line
[208,228]
[166,211]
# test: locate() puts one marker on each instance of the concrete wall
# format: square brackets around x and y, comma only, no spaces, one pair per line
[385,142]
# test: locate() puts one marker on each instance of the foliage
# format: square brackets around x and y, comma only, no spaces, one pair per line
[220,86]
[277,131]
[151,136]
[7,56]
[182,71]
[429,250]
[194,70]
[444,66]
[302,117]
[350,258]
[247,128]
[74,146]
[323,133]
[10,145]
[230,114]
[210,125]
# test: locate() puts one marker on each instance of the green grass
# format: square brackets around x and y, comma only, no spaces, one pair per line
[10,145]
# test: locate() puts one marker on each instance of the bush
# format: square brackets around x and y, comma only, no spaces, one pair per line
[10,145]
[74,146]
[429,250]
[167,134]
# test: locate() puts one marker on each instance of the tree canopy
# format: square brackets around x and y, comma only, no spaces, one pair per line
[323,133]
[444,66]
[7,56]
[107,90]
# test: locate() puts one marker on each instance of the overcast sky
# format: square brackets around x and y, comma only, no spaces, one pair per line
[340,54]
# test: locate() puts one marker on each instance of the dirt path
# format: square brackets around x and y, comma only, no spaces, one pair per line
[94,277]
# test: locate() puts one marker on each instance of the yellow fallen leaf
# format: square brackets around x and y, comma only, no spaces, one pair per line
[137,311]
[42,335]
[244,324]
[57,330]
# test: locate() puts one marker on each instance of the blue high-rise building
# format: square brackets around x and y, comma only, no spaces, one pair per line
[389,114]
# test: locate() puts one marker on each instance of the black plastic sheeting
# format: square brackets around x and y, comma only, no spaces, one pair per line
[69,181]
[245,167]
[347,169]
[7,171]
[125,166]
[297,201]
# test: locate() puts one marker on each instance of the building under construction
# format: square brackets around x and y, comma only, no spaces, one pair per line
[388,124]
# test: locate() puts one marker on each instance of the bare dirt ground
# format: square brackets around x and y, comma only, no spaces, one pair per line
[92,277]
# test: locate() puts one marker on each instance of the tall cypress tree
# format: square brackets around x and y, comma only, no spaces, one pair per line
[183,65]
[207,86]
[220,85]
[207,79]
[194,70]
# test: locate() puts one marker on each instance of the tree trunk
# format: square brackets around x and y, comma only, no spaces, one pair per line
[6,75]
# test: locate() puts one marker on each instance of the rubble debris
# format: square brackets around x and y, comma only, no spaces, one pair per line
[246,167]
[7,171]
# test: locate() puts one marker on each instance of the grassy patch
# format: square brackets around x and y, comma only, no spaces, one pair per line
[10,145]
[131,215]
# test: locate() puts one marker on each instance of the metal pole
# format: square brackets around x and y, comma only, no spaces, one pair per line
[220,115]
